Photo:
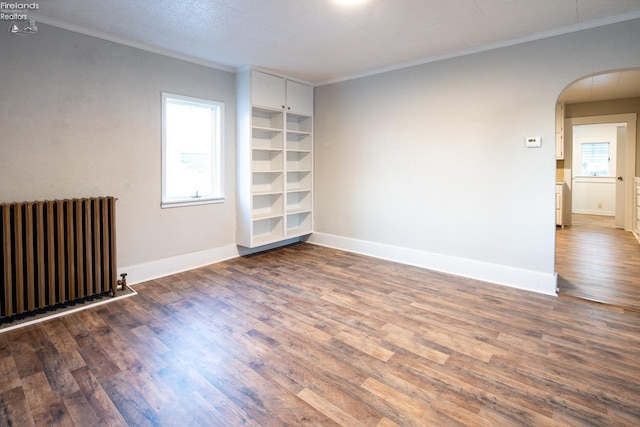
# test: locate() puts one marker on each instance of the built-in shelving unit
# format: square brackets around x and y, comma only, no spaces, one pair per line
[275,159]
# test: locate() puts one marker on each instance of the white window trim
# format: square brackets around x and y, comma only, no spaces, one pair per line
[164,203]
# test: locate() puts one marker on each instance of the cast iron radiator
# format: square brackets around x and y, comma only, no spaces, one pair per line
[56,251]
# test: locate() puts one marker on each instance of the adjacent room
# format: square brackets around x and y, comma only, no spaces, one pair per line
[315,212]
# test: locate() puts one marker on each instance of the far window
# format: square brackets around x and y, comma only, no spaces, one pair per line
[191,150]
[595,158]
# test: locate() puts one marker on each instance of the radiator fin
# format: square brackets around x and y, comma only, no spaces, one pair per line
[53,252]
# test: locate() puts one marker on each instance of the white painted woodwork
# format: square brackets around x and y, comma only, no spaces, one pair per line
[637,208]
[560,149]
[267,90]
[299,98]
[275,159]
[563,208]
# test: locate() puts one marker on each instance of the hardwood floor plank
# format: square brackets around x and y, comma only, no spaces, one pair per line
[132,406]
[97,398]
[327,408]
[403,403]
[80,411]
[24,356]
[598,262]
[14,409]
[307,335]
[9,378]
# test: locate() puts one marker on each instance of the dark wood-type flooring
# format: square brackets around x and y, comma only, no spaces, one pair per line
[307,335]
[598,262]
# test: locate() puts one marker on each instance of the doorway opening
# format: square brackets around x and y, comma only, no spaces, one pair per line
[596,165]
[598,171]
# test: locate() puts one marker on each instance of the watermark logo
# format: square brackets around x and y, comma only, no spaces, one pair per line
[17,15]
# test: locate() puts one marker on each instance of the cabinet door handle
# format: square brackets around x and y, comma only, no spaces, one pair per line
[620,178]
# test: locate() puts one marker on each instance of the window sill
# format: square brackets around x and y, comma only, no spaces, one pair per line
[191,202]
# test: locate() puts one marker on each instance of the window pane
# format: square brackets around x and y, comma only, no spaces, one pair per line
[595,158]
[191,142]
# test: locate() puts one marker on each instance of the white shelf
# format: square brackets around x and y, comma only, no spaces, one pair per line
[299,201]
[299,180]
[265,239]
[298,160]
[267,205]
[262,138]
[267,230]
[267,119]
[297,133]
[299,123]
[266,160]
[275,158]
[299,141]
[267,182]
[298,223]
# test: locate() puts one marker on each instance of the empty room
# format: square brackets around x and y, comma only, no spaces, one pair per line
[320,212]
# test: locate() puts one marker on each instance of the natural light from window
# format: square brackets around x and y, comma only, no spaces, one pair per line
[595,159]
[191,150]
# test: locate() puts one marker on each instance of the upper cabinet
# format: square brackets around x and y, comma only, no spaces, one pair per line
[279,93]
[268,90]
[299,98]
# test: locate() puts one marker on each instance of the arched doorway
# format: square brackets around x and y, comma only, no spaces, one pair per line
[592,247]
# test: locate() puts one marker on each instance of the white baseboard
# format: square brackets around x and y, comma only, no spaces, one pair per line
[500,274]
[164,267]
[590,212]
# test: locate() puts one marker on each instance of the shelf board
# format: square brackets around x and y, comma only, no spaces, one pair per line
[296,211]
[298,231]
[265,129]
[298,132]
[265,239]
[267,171]
[267,193]
[266,149]
[263,216]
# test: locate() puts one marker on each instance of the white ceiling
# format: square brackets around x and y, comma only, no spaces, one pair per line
[615,85]
[319,41]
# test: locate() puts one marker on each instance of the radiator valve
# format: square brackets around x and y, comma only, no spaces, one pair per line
[122,283]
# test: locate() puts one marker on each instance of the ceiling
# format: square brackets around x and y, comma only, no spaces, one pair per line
[614,85]
[319,41]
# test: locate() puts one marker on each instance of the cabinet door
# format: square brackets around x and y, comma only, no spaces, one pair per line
[559,146]
[299,98]
[267,90]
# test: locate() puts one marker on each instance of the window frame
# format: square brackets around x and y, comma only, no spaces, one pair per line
[217,160]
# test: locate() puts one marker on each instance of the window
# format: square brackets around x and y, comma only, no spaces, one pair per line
[595,158]
[192,136]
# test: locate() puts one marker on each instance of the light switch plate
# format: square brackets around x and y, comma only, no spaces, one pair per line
[533,142]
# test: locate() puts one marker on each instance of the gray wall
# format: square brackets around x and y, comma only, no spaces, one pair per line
[428,158]
[432,159]
[81,117]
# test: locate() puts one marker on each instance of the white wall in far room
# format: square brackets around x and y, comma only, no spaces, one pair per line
[594,195]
